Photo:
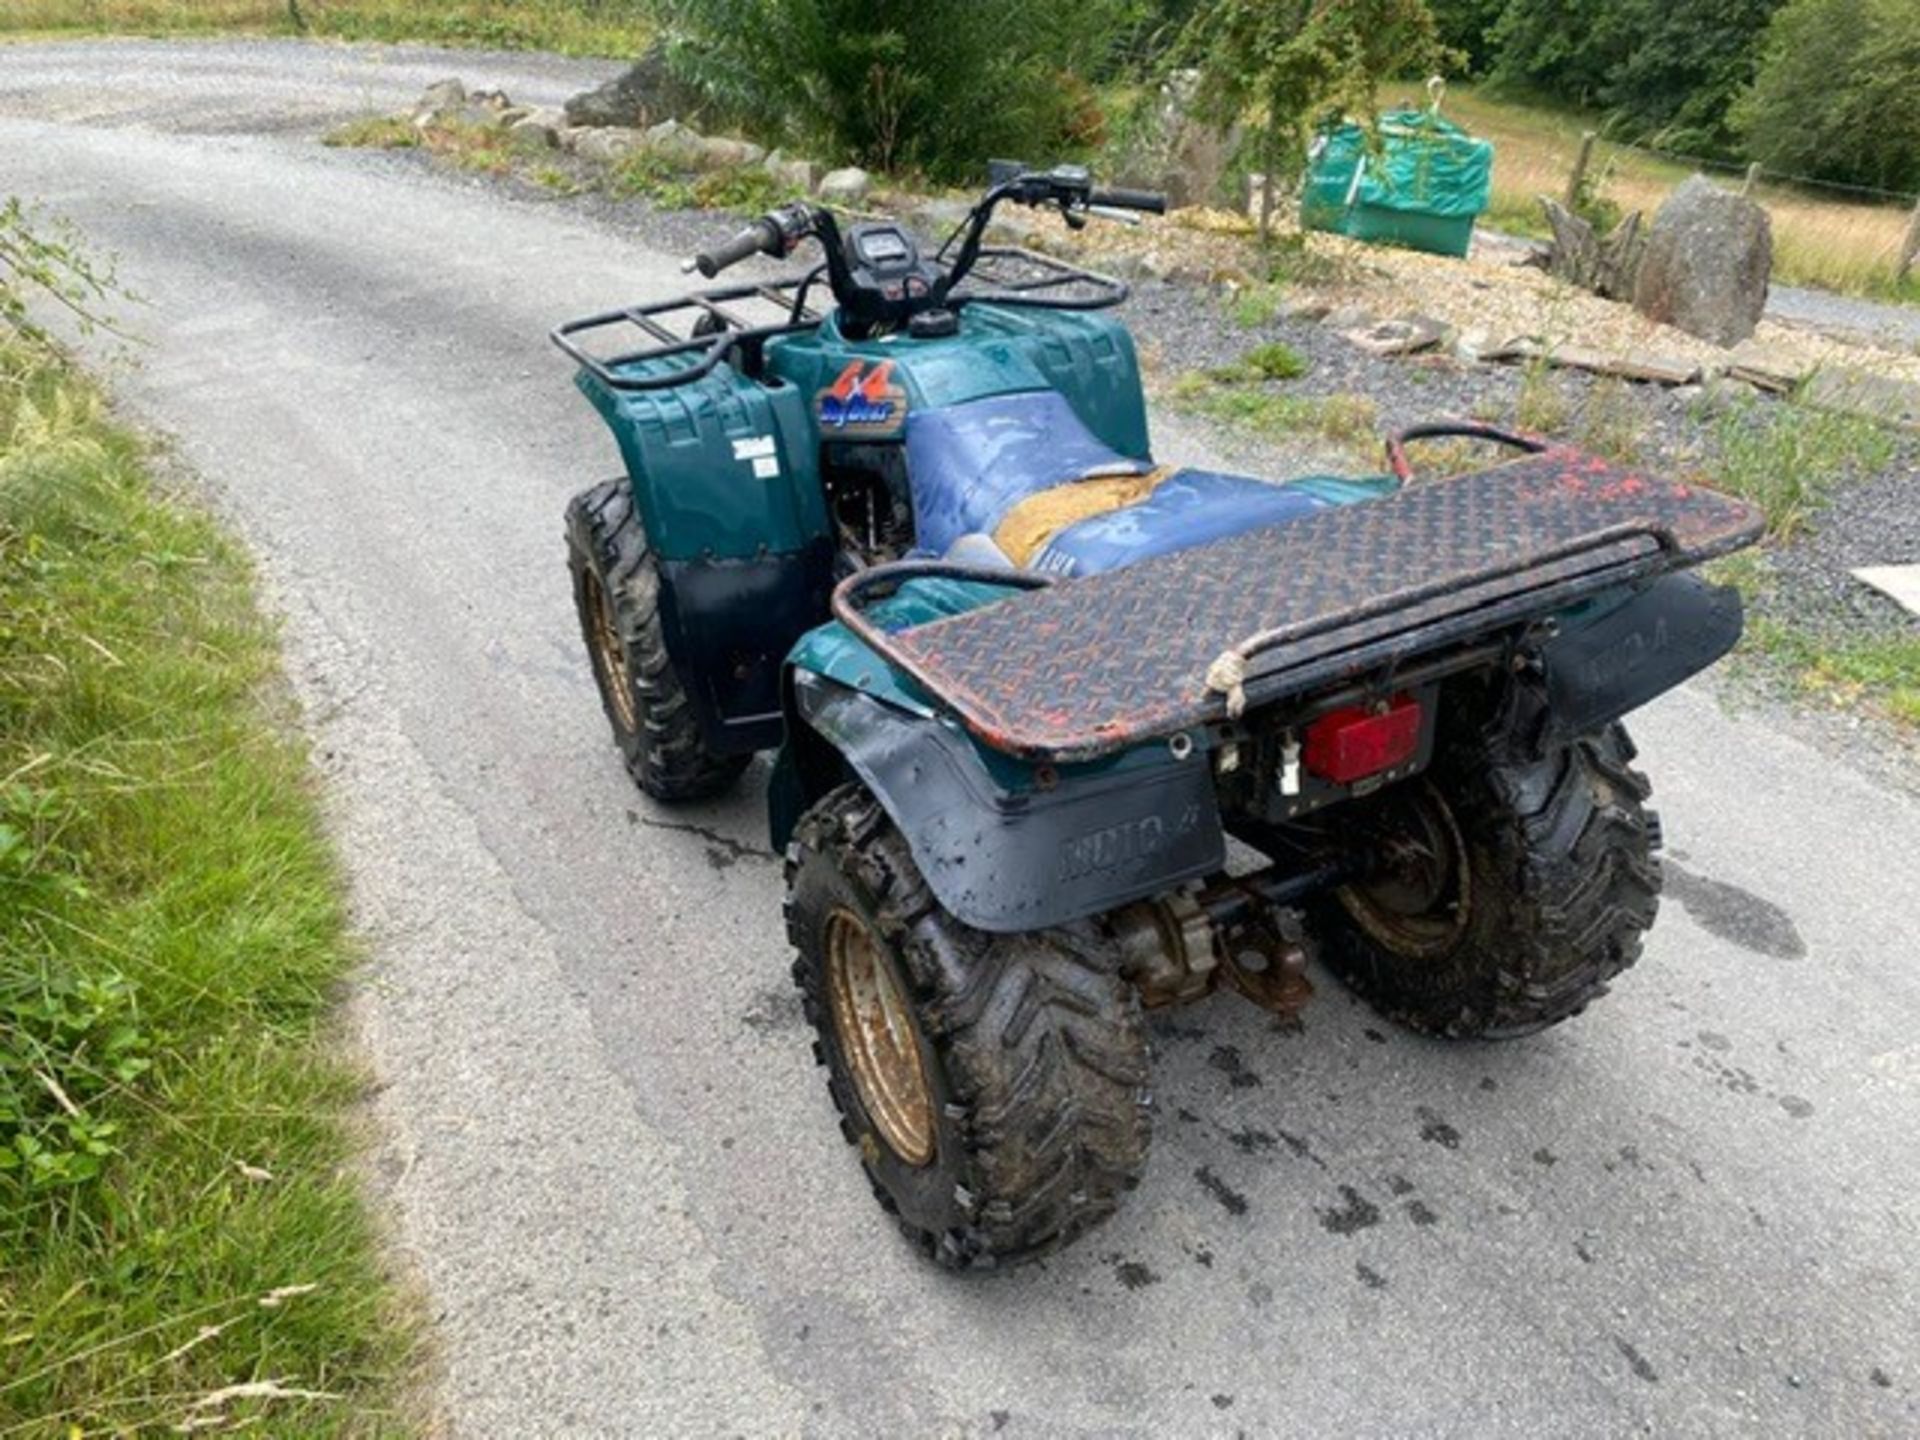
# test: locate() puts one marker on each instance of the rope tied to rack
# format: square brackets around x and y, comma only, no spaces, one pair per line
[1227,676]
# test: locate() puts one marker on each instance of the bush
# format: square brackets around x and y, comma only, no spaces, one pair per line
[1295,64]
[1835,95]
[940,86]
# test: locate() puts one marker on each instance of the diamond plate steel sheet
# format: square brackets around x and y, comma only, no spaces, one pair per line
[1093,665]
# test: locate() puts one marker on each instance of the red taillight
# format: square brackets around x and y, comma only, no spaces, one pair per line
[1351,744]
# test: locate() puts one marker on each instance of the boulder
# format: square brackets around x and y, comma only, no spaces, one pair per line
[1407,336]
[1707,261]
[848,186]
[466,115]
[675,144]
[537,130]
[722,152]
[605,143]
[441,95]
[644,94]
[792,173]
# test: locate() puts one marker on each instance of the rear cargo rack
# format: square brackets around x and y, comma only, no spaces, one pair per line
[1086,667]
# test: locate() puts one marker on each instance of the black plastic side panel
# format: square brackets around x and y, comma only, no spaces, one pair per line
[729,625]
[1673,629]
[1004,861]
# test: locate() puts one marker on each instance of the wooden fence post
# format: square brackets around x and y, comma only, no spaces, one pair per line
[1579,177]
[1753,178]
[1909,247]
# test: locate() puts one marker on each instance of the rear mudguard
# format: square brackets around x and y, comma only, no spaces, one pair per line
[1009,846]
[1003,846]
[1608,660]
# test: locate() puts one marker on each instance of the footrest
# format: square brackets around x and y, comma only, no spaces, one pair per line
[1090,666]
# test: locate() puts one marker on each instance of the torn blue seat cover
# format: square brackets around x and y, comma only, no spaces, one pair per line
[970,464]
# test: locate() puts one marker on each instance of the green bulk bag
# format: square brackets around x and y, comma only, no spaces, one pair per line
[1424,187]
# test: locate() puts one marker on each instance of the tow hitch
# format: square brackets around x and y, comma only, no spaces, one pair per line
[1240,931]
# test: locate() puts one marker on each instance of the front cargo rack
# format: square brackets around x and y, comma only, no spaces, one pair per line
[1011,275]
[734,322]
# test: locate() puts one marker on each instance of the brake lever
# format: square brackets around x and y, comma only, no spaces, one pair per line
[1110,212]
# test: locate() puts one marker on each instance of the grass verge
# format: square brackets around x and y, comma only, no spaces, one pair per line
[570,27]
[1882,673]
[1877,673]
[178,1216]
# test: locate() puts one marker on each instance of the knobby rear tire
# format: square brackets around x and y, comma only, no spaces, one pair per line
[1563,884]
[1034,1048]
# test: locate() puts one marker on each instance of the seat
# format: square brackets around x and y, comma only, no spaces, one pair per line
[1020,476]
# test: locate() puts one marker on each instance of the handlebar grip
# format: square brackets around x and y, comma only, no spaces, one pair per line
[758,238]
[1150,201]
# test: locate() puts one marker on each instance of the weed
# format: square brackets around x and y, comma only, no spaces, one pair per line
[556,179]
[1276,361]
[471,147]
[747,189]
[1608,423]
[374,132]
[1255,306]
[1542,405]
[1786,456]
[1349,420]
[1273,361]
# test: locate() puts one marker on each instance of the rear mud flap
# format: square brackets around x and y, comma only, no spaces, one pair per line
[1671,630]
[1007,860]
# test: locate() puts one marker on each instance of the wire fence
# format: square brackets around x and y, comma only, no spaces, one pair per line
[1829,233]
[1761,173]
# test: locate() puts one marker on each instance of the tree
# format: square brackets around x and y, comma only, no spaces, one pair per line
[1283,67]
[1692,60]
[1834,98]
[938,85]
[1665,68]
[1466,26]
[1567,52]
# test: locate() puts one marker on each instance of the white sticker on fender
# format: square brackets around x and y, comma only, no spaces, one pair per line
[753,448]
[765,467]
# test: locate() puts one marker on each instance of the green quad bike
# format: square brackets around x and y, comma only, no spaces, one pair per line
[1024,683]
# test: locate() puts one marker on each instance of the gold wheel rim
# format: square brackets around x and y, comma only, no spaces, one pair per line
[613,655]
[878,1039]
[1418,909]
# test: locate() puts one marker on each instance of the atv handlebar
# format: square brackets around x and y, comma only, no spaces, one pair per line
[762,237]
[1150,201]
[1067,187]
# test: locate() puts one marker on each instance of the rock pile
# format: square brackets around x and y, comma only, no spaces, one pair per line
[626,116]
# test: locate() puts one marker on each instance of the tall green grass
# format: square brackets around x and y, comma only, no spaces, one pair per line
[178,1212]
[572,27]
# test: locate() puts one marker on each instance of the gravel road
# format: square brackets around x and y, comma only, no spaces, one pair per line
[602,1135]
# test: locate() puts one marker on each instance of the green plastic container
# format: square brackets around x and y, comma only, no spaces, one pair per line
[1423,187]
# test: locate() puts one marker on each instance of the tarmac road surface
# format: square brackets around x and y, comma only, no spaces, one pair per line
[607,1147]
